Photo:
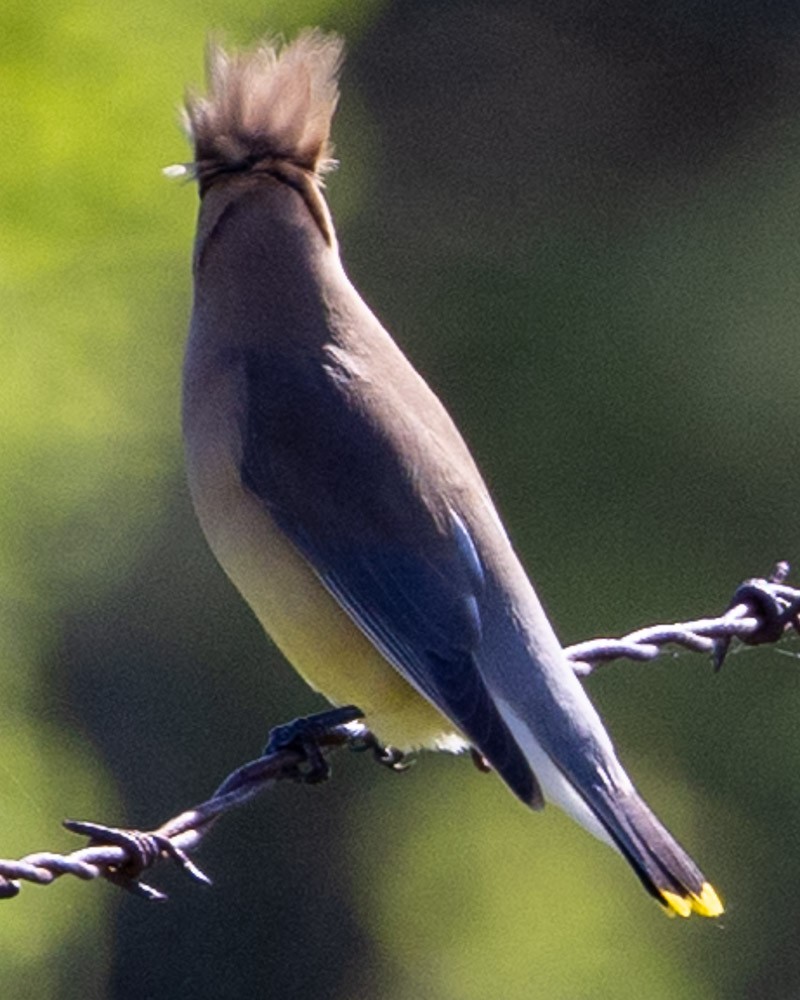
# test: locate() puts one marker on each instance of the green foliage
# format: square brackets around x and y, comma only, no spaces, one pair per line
[480,904]
[94,282]
[606,295]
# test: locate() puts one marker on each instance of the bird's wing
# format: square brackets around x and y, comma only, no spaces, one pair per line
[403,567]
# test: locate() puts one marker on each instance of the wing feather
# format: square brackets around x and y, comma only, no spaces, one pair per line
[400,563]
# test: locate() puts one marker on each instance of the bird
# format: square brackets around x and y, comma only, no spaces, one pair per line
[337,493]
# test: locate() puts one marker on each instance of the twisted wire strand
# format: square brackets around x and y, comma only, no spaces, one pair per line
[762,611]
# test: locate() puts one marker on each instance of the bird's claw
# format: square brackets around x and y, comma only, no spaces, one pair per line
[387,756]
[303,735]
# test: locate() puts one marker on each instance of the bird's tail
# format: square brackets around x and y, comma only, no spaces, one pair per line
[664,867]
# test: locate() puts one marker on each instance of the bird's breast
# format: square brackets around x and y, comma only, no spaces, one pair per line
[307,624]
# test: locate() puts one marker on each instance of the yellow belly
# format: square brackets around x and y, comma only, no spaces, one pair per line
[306,623]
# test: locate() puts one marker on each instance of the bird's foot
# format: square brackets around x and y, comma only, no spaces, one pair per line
[480,761]
[303,736]
[387,756]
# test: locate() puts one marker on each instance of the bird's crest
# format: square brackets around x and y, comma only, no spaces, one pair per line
[271,104]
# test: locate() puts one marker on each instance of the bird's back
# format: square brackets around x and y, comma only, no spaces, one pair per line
[343,502]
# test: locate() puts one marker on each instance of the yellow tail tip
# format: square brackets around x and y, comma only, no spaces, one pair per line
[707,903]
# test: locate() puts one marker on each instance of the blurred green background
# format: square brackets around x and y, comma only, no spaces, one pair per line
[582,221]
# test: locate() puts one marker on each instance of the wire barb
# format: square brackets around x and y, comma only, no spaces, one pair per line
[761,611]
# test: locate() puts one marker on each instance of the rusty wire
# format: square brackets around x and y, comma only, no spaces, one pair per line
[761,611]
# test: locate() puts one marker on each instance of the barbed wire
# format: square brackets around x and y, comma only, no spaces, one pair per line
[762,611]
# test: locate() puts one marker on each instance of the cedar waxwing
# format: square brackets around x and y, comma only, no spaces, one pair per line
[339,496]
